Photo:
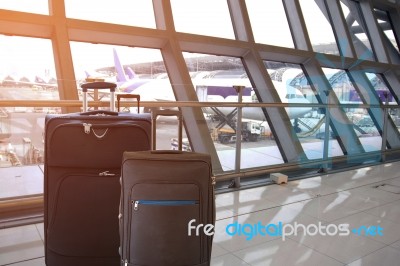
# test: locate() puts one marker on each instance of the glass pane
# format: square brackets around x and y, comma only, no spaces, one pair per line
[380,87]
[269,22]
[342,86]
[386,26]
[319,28]
[207,17]
[214,78]
[37,6]
[21,136]
[313,146]
[27,72]
[27,68]
[138,13]
[360,39]
[365,128]
[129,67]
[292,87]
[308,123]
[395,115]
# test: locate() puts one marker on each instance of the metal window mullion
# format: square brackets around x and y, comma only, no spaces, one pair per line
[297,25]
[67,87]
[194,121]
[240,20]
[341,31]
[393,81]
[374,32]
[394,16]
[363,52]
[163,14]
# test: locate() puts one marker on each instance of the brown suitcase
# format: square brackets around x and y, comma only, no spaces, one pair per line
[165,194]
[83,153]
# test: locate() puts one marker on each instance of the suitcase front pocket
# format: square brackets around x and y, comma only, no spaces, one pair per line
[83,222]
[159,232]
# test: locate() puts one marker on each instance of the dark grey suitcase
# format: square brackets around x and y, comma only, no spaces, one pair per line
[163,192]
[83,153]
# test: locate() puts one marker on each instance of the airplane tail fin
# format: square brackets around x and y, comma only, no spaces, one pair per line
[121,77]
[131,74]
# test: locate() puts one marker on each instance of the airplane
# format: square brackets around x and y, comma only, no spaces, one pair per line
[221,90]
[127,81]
[210,90]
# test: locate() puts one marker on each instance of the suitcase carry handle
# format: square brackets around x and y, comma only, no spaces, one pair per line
[131,96]
[166,152]
[97,86]
[154,114]
[100,112]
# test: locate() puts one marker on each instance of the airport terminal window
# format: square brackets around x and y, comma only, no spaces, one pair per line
[138,13]
[207,17]
[269,23]
[22,127]
[37,6]
[319,28]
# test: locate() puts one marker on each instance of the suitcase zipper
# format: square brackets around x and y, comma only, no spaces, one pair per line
[163,202]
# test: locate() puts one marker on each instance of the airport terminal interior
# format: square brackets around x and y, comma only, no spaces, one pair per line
[301,91]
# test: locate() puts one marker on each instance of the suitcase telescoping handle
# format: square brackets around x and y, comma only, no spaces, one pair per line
[97,86]
[129,96]
[154,114]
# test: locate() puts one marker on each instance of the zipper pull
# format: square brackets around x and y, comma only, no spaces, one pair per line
[106,173]
[126,263]
[136,205]
[86,127]
[213,180]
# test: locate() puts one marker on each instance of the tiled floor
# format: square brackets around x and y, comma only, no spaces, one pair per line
[353,197]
